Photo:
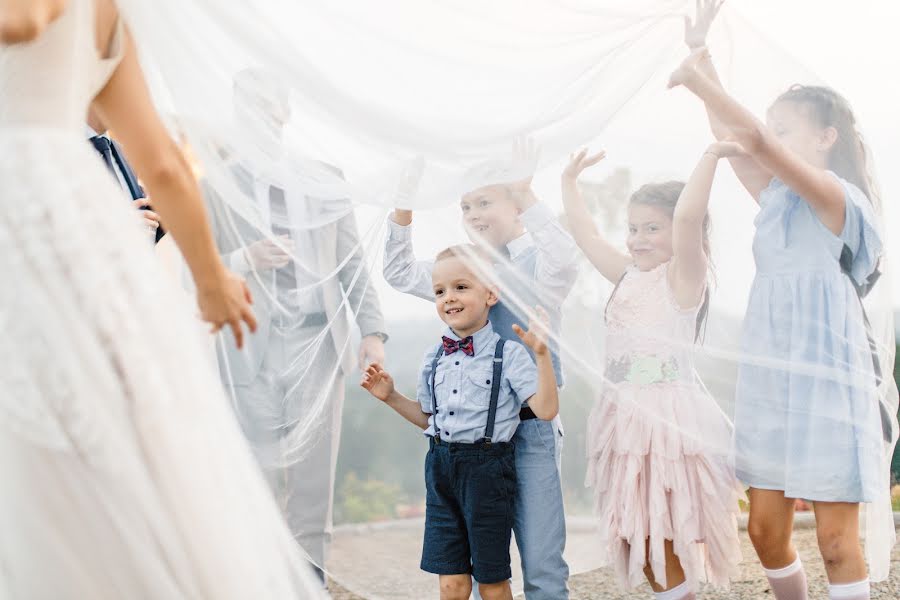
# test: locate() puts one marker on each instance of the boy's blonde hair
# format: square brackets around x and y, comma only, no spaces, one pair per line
[475,257]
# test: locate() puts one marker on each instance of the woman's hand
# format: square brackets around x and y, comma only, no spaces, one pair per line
[579,162]
[226,301]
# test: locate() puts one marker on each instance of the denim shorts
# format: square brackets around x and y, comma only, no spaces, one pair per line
[470,495]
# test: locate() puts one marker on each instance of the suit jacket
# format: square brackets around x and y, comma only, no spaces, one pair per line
[99,143]
[334,242]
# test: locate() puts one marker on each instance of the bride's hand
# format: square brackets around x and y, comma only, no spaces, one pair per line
[226,301]
[24,20]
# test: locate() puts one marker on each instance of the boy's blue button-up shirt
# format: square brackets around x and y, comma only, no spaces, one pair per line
[463,389]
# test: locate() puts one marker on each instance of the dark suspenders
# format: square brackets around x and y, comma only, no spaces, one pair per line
[495,390]
[495,387]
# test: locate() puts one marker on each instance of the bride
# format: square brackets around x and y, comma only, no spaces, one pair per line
[122,471]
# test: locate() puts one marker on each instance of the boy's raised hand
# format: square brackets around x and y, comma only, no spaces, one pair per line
[525,156]
[407,189]
[410,180]
[402,216]
[581,161]
[377,382]
[536,336]
[695,31]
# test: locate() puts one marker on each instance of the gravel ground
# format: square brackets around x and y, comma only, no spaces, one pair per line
[597,584]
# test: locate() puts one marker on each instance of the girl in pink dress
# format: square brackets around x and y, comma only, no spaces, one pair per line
[658,444]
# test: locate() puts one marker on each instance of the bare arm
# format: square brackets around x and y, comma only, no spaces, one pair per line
[380,384]
[822,191]
[690,262]
[24,20]
[544,402]
[409,409]
[125,105]
[605,257]
[751,174]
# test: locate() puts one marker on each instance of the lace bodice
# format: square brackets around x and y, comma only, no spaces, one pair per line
[649,337]
[51,81]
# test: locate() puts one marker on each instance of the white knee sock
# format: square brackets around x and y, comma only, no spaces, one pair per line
[849,591]
[679,592]
[788,583]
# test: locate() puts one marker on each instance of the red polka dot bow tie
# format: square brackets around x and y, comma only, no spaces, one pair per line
[466,345]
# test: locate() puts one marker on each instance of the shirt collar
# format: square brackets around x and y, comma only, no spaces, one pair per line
[89,131]
[520,245]
[480,338]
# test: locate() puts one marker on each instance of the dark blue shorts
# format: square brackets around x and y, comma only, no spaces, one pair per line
[470,493]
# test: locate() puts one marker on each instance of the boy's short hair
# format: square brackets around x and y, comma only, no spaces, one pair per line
[463,251]
[475,257]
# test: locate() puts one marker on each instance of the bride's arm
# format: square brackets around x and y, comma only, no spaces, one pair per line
[125,105]
[24,20]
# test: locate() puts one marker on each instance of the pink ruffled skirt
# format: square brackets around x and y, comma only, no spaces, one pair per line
[658,460]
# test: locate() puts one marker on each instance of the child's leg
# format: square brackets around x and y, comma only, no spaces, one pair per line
[456,587]
[445,547]
[495,591]
[487,484]
[674,572]
[540,522]
[770,527]
[837,529]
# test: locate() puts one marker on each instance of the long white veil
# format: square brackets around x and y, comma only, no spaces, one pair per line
[349,109]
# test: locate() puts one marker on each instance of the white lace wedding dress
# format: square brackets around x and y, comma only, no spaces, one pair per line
[122,471]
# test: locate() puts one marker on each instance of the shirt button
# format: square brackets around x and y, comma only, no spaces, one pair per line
[488,381]
[451,413]
[457,362]
[454,391]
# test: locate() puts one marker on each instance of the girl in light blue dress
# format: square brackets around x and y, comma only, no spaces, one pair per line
[807,421]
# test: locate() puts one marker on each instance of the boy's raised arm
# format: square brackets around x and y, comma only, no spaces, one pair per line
[401,269]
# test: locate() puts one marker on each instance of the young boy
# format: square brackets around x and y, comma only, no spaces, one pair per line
[469,396]
[541,270]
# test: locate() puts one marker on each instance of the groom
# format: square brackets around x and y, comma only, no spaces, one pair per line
[310,283]
[115,161]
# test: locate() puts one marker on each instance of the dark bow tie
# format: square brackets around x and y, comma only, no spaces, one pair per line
[466,345]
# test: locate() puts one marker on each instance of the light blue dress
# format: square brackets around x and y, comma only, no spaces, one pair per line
[806,414]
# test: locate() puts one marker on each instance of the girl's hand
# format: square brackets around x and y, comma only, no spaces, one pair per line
[581,161]
[695,32]
[377,382]
[687,71]
[726,149]
[536,336]
[226,301]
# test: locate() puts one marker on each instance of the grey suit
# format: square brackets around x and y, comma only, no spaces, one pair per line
[288,373]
